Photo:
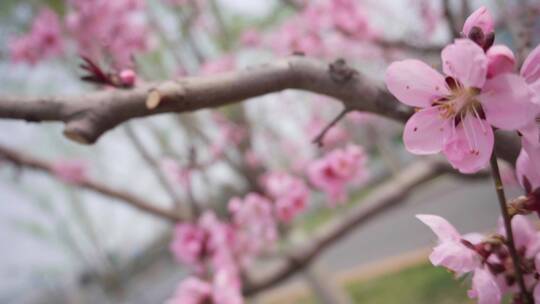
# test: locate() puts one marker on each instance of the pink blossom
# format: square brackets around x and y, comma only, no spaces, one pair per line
[289,192]
[348,18]
[109,28]
[530,70]
[42,42]
[227,288]
[70,171]
[482,19]
[250,37]
[485,287]
[255,227]
[191,291]
[526,236]
[188,244]
[295,37]
[336,170]
[451,253]
[219,65]
[457,112]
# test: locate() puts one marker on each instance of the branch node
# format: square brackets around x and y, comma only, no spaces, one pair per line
[340,72]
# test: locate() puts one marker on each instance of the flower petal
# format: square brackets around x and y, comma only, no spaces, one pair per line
[501,60]
[440,226]
[480,18]
[465,61]
[425,132]
[415,83]
[470,148]
[485,287]
[531,133]
[530,69]
[507,102]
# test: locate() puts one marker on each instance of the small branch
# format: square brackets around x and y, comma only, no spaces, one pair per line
[27,161]
[153,164]
[453,24]
[88,116]
[319,139]
[508,228]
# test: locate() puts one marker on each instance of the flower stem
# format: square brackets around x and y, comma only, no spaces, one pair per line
[508,228]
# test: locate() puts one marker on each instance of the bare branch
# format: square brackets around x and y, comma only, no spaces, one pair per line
[90,115]
[153,165]
[27,161]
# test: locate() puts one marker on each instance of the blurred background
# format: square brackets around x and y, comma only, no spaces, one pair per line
[62,243]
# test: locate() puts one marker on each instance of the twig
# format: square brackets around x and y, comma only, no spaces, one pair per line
[452,22]
[153,164]
[27,161]
[508,228]
[319,139]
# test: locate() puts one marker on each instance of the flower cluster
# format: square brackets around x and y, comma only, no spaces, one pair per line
[320,22]
[487,257]
[113,28]
[457,115]
[479,91]
[339,168]
[209,247]
[290,193]
[43,41]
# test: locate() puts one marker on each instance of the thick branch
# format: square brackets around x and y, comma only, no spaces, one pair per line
[27,161]
[88,116]
[383,198]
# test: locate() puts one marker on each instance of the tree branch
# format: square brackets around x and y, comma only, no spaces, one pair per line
[27,161]
[386,196]
[90,115]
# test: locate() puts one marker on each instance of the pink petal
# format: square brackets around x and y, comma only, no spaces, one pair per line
[455,256]
[480,18]
[441,227]
[470,148]
[501,60]
[465,61]
[506,100]
[531,133]
[415,83]
[528,170]
[524,231]
[425,132]
[485,288]
[530,70]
